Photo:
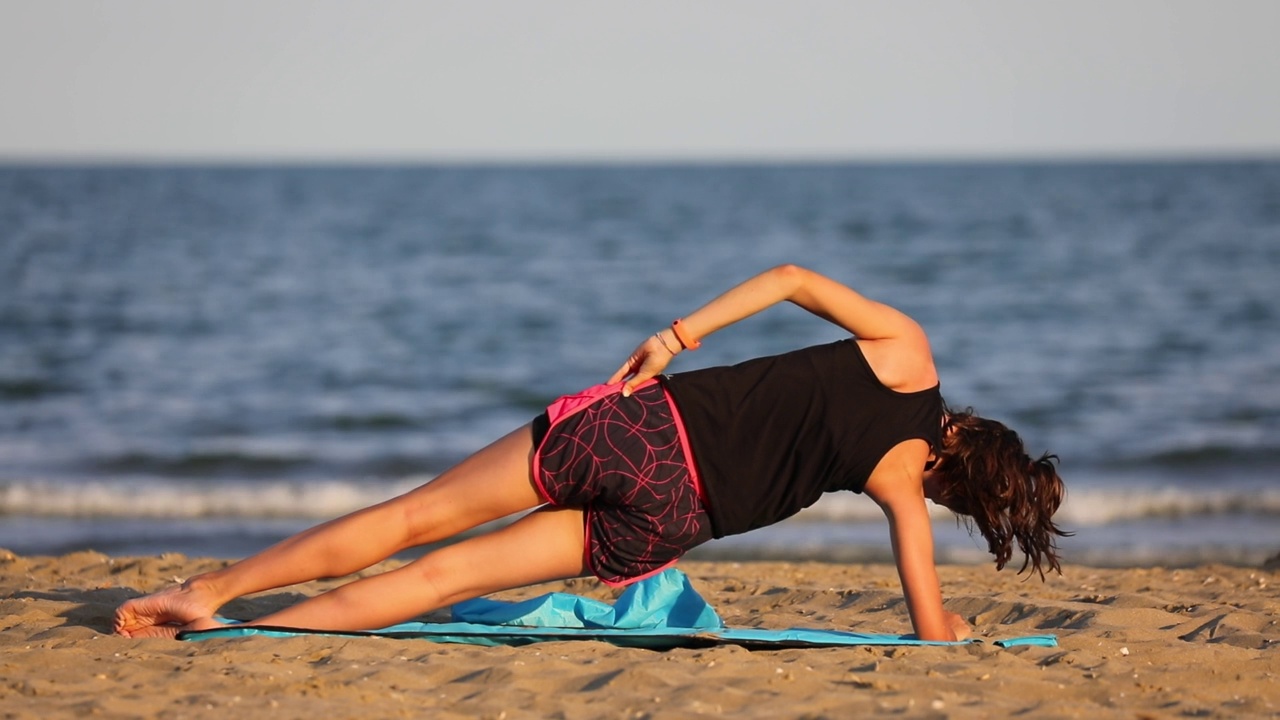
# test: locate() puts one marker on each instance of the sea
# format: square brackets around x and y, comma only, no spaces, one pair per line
[205,359]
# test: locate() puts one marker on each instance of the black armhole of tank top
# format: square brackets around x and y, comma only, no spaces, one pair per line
[871,373]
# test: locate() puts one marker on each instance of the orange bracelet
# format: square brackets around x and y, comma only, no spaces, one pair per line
[687,341]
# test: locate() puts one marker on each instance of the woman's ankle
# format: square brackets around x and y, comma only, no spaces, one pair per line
[208,589]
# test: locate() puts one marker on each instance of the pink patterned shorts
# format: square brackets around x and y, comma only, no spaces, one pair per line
[626,462]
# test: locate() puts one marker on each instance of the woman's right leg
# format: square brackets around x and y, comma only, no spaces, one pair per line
[491,484]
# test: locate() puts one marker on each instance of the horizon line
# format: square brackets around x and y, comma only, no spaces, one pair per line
[632,160]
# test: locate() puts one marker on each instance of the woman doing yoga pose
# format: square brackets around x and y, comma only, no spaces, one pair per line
[624,478]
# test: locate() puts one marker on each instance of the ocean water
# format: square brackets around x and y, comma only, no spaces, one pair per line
[205,359]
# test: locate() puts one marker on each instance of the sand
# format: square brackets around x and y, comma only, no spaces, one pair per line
[1134,643]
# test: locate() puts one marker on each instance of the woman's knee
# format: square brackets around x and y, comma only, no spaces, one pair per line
[450,576]
[422,520]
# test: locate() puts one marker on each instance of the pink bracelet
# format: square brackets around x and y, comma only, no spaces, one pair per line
[687,341]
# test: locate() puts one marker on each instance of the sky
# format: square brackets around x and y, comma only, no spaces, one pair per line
[586,80]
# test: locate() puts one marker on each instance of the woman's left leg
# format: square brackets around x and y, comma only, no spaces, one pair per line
[491,484]
[542,546]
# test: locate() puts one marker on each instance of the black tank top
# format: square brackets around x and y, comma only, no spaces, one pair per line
[771,435]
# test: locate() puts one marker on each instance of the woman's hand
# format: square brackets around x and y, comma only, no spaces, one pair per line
[957,625]
[646,361]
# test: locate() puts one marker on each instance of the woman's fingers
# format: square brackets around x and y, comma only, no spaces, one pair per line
[645,362]
[628,368]
[652,365]
[621,373]
[633,383]
[958,626]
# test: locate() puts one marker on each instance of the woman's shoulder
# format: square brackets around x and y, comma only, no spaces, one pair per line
[903,365]
[898,477]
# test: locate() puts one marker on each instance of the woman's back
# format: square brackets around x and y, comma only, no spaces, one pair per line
[772,434]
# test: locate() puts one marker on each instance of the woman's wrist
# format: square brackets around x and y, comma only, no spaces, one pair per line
[684,336]
[669,341]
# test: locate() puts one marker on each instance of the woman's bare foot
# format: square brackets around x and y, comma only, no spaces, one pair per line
[171,631]
[167,612]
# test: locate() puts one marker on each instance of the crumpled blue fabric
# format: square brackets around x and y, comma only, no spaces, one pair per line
[660,612]
[665,600]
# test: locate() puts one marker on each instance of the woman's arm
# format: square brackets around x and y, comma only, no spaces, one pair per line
[911,534]
[822,296]
[912,538]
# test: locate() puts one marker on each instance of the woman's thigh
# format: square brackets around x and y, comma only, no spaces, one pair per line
[544,545]
[491,484]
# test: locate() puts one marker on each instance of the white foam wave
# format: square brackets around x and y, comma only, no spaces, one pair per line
[109,499]
[1092,506]
[324,499]
[1107,506]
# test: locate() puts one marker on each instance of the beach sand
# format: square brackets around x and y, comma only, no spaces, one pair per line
[1134,643]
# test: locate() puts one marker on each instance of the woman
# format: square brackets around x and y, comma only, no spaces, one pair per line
[629,476]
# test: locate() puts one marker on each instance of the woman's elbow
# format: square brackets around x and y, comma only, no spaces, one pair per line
[789,271]
[790,277]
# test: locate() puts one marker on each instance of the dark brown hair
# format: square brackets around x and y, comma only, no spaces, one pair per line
[985,474]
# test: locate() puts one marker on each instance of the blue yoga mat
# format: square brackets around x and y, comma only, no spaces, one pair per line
[660,612]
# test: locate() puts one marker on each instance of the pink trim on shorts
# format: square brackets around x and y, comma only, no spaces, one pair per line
[684,445]
[586,557]
[628,581]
